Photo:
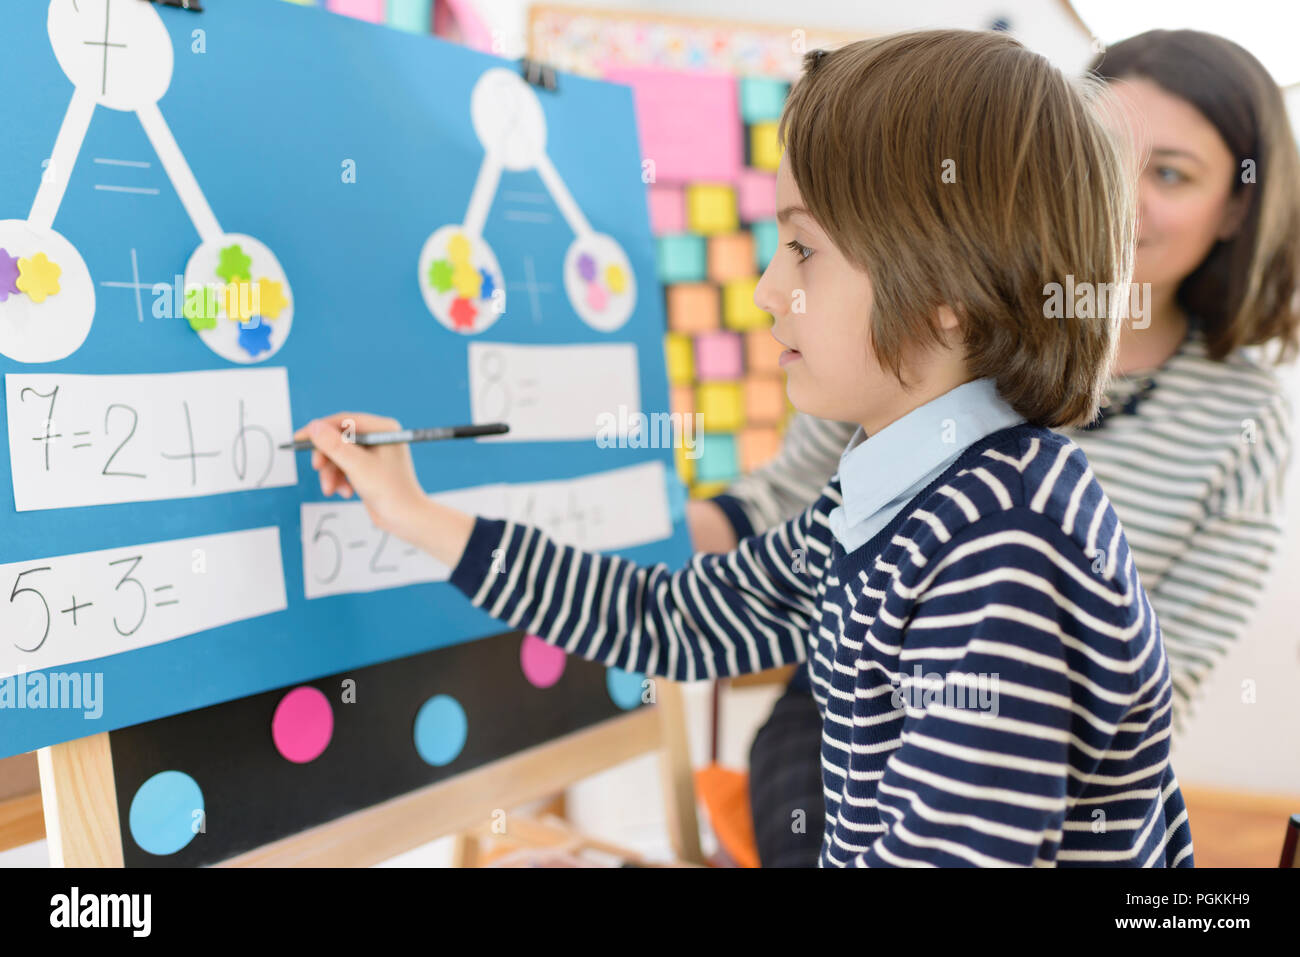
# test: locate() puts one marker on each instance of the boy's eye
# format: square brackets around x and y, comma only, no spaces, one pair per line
[800,250]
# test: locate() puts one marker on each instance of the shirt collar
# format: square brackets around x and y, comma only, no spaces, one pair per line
[877,469]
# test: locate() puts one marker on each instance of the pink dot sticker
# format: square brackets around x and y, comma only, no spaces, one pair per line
[542,663]
[303,725]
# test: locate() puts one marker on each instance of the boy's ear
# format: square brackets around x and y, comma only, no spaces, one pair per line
[1234,212]
[948,320]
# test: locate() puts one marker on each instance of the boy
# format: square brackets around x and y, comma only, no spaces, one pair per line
[992,682]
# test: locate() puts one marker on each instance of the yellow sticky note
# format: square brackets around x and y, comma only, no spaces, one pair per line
[738,309]
[685,464]
[711,208]
[764,146]
[722,405]
[681,358]
[708,489]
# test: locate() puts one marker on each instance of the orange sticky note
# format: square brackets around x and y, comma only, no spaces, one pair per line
[731,256]
[761,351]
[693,307]
[681,400]
[764,400]
[758,447]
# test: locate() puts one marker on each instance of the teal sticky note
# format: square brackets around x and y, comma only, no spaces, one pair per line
[413,15]
[682,258]
[764,242]
[761,98]
[717,461]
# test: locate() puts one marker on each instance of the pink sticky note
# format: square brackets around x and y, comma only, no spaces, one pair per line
[689,122]
[717,356]
[302,725]
[542,664]
[756,195]
[667,210]
[369,10]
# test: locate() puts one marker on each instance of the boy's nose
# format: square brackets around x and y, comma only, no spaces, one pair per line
[767,297]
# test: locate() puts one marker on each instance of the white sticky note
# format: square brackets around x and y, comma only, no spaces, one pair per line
[343,552]
[615,509]
[93,604]
[553,393]
[98,439]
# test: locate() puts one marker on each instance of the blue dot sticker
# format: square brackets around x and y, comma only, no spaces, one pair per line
[440,730]
[166,812]
[624,687]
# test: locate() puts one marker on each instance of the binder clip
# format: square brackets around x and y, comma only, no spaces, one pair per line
[537,74]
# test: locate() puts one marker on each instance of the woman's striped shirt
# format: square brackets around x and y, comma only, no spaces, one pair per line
[990,674]
[1195,474]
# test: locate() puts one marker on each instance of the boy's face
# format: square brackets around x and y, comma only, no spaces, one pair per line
[821,306]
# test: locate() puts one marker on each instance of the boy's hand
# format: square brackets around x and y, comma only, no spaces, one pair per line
[382,475]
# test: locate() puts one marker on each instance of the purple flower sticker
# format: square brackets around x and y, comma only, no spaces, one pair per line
[8,275]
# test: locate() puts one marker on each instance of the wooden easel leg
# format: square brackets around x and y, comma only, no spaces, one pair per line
[80,802]
[676,774]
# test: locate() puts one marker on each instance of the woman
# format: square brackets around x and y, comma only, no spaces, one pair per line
[1194,439]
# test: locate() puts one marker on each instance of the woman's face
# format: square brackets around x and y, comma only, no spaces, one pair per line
[1185,200]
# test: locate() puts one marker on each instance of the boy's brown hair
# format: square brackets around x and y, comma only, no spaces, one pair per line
[959,168]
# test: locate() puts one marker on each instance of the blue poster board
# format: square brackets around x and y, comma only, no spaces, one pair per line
[345,159]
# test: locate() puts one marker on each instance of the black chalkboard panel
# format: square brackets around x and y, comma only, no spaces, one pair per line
[253,795]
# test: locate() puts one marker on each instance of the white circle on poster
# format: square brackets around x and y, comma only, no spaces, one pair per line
[118,51]
[251,283]
[53,323]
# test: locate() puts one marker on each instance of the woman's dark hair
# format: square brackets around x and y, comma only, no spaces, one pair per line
[1247,289]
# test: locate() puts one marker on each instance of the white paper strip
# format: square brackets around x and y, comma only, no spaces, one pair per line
[97,439]
[615,509]
[552,393]
[343,552]
[56,611]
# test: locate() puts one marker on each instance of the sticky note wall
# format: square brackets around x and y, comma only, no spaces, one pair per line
[710,141]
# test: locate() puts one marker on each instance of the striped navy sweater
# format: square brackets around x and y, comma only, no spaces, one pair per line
[992,682]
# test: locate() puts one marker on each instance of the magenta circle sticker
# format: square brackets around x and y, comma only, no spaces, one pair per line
[542,663]
[303,725]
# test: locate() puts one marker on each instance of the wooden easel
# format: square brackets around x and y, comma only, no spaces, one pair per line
[79,799]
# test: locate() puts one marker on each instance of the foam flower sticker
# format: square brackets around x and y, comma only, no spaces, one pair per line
[615,279]
[201,308]
[254,336]
[467,281]
[440,273]
[270,297]
[462,314]
[233,264]
[458,250]
[8,275]
[38,277]
[241,304]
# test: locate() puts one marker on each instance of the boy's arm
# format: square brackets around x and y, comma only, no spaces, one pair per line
[774,493]
[721,614]
[1009,688]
